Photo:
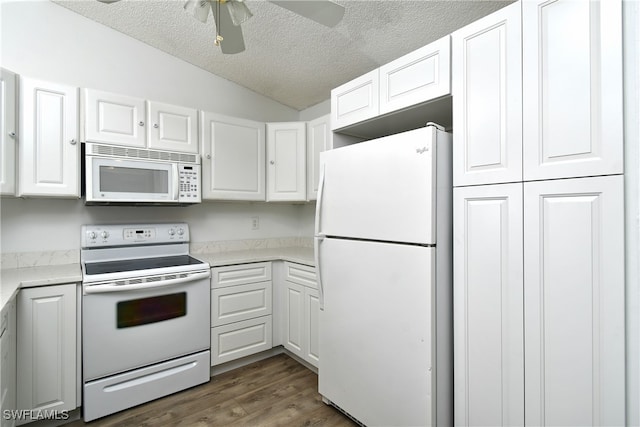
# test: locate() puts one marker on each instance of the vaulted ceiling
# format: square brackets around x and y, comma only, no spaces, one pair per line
[288,58]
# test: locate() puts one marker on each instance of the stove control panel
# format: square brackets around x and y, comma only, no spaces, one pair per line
[136,234]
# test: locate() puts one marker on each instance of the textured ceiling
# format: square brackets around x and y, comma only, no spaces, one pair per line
[289,58]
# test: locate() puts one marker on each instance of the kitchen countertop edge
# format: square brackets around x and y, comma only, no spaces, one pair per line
[13,279]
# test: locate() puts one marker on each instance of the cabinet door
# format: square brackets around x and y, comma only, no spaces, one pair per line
[114,119]
[241,302]
[233,158]
[286,155]
[419,76]
[47,348]
[574,302]
[487,99]
[294,337]
[7,132]
[311,324]
[318,140]
[49,150]
[240,339]
[488,300]
[172,128]
[8,362]
[355,101]
[572,88]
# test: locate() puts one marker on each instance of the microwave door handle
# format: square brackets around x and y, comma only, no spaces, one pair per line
[176,182]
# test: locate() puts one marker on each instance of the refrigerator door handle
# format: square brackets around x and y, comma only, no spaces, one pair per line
[319,201]
[316,251]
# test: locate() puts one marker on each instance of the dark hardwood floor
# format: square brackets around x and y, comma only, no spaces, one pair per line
[273,392]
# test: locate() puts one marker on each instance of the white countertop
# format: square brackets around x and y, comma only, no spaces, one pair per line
[300,255]
[12,279]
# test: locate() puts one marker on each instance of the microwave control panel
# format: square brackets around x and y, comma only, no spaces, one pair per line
[189,190]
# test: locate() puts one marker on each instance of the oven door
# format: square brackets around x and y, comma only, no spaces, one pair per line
[135,327]
[130,181]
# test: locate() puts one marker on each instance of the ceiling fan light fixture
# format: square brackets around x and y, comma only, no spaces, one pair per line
[238,10]
[199,8]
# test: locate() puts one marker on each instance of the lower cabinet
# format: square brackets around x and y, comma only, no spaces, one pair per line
[46,344]
[302,310]
[241,311]
[8,363]
[539,303]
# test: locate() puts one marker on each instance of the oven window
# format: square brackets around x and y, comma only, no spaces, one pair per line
[118,179]
[150,310]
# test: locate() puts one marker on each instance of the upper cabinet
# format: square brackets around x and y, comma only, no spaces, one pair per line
[420,76]
[355,101]
[286,157]
[8,137]
[319,139]
[417,77]
[123,120]
[487,99]
[531,100]
[49,163]
[172,128]
[572,88]
[233,158]
[114,119]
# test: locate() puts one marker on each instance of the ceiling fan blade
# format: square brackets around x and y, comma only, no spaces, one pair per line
[324,12]
[232,39]
[239,11]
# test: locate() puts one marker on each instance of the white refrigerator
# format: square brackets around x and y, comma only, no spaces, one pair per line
[383,257]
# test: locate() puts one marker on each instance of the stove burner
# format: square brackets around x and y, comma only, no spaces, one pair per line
[139,264]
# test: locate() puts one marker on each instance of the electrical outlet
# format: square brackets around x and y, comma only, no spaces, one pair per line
[255,223]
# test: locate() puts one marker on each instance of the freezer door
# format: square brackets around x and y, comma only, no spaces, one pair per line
[377,342]
[382,189]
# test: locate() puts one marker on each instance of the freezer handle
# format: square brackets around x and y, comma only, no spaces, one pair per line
[319,202]
[316,251]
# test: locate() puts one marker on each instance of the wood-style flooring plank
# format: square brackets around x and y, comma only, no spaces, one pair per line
[277,391]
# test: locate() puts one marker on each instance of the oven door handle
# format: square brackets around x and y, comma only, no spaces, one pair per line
[99,289]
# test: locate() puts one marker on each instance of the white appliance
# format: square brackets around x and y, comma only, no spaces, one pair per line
[145,315]
[383,248]
[123,175]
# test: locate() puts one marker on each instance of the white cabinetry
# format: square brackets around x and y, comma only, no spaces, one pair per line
[172,128]
[114,119]
[419,76]
[567,272]
[47,348]
[8,130]
[574,302]
[572,86]
[355,101]
[241,309]
[319,139]
[233,158]
[286,157]
[49,152]
[8,362]
[488,312]
[487,99]
[302,310]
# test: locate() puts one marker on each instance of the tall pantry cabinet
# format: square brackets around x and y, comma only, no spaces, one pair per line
[538,216]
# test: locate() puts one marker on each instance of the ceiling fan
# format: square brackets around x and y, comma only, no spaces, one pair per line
[228,15]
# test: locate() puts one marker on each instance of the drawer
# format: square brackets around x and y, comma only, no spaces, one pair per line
[236,340]
[242,302]
[242,274]
[300,274]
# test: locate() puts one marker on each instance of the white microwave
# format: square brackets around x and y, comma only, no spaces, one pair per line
[124,175]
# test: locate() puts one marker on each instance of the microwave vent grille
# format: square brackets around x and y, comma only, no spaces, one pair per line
[135,153]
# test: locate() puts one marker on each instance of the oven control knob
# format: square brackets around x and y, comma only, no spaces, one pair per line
[92,235]
[172,232]
[104,234]
[180,231]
